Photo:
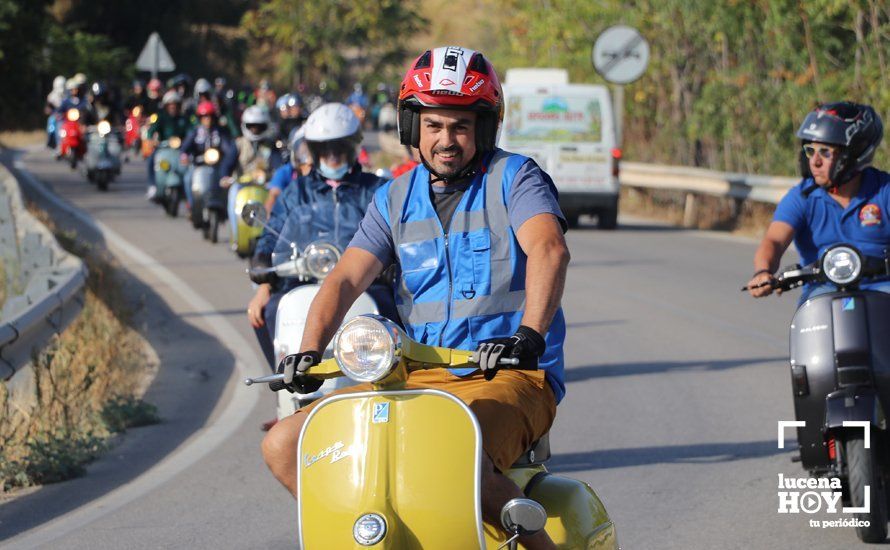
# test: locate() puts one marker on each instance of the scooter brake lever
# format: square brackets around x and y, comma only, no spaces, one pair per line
[268,379]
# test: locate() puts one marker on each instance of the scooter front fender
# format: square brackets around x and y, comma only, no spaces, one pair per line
[410,456]
[854,404]
[244,236]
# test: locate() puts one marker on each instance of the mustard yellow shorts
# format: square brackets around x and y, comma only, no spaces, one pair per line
[514,409]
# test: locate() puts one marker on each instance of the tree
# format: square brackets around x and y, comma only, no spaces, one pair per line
[313,41]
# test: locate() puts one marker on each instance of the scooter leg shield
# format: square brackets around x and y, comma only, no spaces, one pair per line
[412,457]
[576,517]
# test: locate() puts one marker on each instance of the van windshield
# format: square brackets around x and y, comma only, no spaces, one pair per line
[554,118]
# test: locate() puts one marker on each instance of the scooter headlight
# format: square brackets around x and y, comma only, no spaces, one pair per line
[211,156]
[367,348]
[104,128]
[164,165]
[842,265]
[321,259]
[73,115]
[174,142]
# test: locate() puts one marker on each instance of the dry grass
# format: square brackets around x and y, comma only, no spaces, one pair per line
[713,213]
[23,138]
[87,385]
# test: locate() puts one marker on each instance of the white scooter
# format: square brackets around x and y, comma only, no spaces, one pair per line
[310,266]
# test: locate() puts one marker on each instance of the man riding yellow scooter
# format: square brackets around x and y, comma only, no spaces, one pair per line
[478,235]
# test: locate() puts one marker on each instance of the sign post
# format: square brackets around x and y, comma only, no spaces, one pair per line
[620,55]
[154,57]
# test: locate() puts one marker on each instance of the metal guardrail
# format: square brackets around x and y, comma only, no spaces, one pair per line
[44,286]
[769,189]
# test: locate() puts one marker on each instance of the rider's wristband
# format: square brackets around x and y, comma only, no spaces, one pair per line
[759,271]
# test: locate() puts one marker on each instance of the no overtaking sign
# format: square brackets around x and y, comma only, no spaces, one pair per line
[620,54]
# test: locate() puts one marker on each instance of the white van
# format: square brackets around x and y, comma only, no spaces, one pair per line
[569,130]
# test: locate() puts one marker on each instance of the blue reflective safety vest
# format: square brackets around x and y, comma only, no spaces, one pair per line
[465,283]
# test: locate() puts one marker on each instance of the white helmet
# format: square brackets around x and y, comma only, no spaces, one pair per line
[333,127]
[255,116]
[59,83]
[202,86]
[332,121]
[172,96]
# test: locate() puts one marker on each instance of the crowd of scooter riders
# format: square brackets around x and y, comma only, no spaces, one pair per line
[97,125]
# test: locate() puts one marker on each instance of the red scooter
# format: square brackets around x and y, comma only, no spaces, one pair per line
[72,142]
[133,130]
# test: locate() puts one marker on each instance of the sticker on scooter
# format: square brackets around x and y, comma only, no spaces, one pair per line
[849,304]
[337,452]
[381,413]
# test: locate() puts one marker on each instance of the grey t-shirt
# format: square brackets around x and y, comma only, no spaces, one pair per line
[532,193]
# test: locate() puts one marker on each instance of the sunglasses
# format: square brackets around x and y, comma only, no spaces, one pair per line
[824,152]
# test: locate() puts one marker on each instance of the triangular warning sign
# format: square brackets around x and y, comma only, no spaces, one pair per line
[155,57]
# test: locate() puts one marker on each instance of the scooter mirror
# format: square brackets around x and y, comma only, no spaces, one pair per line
[523,516]
[254,214]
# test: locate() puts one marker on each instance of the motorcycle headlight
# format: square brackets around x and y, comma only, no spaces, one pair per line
[104,128]
[321,259]
[842,265]
[174,142]
[367,348]
[211,156]
[164,165]
[72,115]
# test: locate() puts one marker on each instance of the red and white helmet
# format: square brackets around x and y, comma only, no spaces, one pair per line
[451,77]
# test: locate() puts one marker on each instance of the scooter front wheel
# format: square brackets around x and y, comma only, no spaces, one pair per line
[865,471]
[172,206]
[213,228]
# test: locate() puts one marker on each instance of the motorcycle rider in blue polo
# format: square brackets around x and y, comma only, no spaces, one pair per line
[330,202]
[842,198]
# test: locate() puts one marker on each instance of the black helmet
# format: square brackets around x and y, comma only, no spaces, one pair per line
[856,129]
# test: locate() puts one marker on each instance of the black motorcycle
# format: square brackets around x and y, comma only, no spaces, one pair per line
[840,372]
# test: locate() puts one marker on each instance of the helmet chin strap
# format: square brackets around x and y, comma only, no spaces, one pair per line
[467,171]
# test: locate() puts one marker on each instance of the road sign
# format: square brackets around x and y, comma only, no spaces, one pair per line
[620,54]
[155,57]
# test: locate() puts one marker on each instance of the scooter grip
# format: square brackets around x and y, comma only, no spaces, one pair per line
[277,385]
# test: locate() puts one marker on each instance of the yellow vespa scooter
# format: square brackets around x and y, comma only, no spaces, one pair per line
[399,468]
[249,188]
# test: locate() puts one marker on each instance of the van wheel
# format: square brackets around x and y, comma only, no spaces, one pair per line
[607,219]
[863,470]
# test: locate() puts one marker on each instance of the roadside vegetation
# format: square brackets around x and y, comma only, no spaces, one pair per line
[87,385]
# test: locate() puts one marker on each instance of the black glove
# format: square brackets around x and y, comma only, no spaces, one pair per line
[260,261]
[526,345]
[294,367]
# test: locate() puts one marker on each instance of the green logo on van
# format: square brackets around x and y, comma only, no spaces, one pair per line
[555,105]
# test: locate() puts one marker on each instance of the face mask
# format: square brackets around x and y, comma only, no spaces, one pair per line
[332,173]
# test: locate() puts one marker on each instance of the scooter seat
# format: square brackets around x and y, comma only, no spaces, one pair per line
[538,453]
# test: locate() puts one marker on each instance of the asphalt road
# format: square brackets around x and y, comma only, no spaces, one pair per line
[675,383]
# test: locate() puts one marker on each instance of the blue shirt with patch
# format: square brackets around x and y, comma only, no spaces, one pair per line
[819,221]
